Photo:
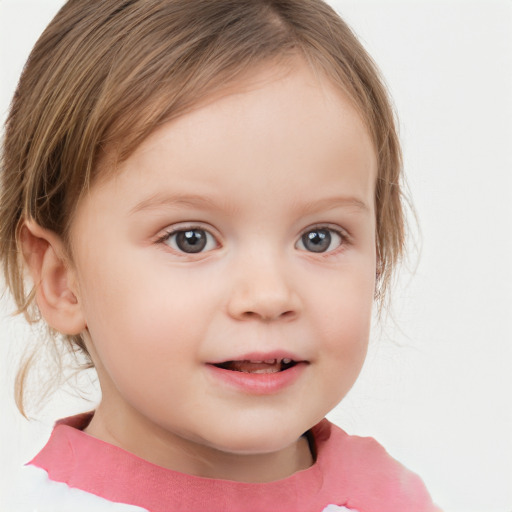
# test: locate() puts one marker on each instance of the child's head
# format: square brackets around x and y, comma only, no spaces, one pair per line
[192,183]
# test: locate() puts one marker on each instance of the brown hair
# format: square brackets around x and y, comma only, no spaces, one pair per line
[106,73]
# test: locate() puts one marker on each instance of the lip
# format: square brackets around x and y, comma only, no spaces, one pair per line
[259,383]
[261,356]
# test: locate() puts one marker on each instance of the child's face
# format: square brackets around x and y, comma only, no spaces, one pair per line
[243,231]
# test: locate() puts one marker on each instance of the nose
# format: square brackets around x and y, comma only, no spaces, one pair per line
[263,289]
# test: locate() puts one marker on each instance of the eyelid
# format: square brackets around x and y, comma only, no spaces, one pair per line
[168,232]
[338,230]
[343,232]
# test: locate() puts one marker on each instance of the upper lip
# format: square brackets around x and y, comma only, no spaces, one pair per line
[278,355]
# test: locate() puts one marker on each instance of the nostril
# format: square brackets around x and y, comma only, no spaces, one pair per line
[262,305]
[285,315]
[269,317]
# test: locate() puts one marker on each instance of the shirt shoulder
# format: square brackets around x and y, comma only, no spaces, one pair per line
[32,491]
[372,479]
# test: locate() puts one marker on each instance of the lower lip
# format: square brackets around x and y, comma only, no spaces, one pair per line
[258,383]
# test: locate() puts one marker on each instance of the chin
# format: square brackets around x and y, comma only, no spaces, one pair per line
[258,441]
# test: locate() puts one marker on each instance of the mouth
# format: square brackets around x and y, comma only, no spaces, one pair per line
[259,374]
[258,366]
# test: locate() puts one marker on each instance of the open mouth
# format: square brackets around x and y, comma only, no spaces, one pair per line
[266,366]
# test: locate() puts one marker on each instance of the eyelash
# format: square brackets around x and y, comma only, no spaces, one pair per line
[342,235]
[344,239]
[169,234]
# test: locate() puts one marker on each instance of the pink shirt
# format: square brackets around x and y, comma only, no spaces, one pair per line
[349,471]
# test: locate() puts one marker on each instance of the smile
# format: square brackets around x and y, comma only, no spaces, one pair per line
[258,367]
[258,374]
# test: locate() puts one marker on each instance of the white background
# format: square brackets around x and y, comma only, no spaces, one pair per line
[437,387]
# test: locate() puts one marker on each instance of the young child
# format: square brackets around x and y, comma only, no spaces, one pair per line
[206,195]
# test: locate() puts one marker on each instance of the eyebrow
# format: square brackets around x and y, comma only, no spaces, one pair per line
[335,202]
[161,199]
[175,200]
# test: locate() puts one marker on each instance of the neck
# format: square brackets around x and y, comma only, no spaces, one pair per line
[132,432]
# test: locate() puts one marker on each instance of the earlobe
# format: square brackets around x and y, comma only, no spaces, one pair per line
[54,279]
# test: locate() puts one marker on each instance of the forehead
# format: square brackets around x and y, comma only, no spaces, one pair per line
[292,95]
[286,119]
[262,75]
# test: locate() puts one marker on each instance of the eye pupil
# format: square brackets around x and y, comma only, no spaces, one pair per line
[317,240]
[191,241]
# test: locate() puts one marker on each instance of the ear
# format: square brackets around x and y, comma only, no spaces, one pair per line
[54,278]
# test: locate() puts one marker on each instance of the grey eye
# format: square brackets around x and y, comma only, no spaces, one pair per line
[319,240]
[191,241]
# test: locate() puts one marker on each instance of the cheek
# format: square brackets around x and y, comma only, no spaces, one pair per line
[344,352]
[343,321]
[143,312]
[143,341]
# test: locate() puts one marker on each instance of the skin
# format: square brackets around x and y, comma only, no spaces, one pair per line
[255,170]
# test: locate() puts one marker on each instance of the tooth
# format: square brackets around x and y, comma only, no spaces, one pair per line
[265,370]
[270,361]
[286,361]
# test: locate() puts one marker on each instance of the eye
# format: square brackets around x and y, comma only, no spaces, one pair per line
[320,240]
[190,241]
